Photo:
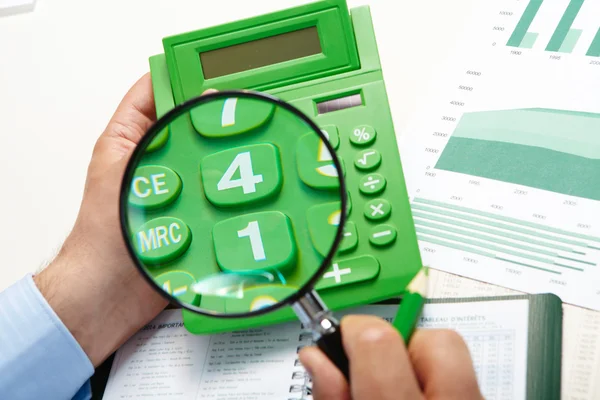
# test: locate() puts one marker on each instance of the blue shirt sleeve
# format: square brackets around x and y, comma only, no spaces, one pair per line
[39,357]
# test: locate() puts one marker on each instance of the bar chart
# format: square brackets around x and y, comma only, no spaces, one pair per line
[548,149]
[511,240]
[565,34]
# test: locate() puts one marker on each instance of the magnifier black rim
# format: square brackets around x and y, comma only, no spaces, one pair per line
[139,152]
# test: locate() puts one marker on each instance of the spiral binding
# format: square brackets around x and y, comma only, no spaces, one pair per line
[303,389]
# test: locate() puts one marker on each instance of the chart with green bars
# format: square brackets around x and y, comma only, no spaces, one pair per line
[566,35]
[520,243]
[554,150]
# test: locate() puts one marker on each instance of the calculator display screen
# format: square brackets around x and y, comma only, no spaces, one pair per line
[260,53]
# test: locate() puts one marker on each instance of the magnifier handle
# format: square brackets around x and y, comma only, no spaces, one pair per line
[331,344]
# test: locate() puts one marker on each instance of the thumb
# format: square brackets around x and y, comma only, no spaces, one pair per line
[328,381]
[132,118]
[135,114]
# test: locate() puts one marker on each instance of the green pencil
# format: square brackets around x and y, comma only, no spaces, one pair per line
[411,305]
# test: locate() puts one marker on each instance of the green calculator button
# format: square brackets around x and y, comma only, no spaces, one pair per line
[261,241]
[257,298]
[332,134]
[323,221]
[350,240]
[377,209]
[348,204]
[363,135]
[372,184]
[159,141]
[162,240]
[228,117]
[314,162]
[178,284]
[154,186]
[382,235]
[241,175]
[367,160]
[349,271]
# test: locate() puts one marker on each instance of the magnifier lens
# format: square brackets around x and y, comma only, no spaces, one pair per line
[232,203]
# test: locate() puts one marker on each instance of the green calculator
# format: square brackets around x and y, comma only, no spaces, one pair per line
[322,58]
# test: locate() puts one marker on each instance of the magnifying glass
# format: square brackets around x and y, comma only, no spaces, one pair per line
[233,205]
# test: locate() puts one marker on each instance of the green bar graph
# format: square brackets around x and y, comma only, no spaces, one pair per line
[570,41]
[520,32]
[529,40]
[594,50]
[562,30]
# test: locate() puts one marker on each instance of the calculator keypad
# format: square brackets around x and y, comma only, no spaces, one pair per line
[263,241]
[377,210]
[241,175]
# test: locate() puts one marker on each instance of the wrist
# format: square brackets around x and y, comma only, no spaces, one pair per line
[101,304]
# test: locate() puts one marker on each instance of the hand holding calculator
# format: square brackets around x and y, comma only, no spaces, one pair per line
[324,61]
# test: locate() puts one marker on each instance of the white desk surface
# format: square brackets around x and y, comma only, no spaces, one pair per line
[65,66]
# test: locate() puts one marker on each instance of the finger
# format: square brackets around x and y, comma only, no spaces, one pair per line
[327,381]
[443,365]
[379,364]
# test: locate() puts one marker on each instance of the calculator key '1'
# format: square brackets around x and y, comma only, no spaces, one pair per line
[261,241]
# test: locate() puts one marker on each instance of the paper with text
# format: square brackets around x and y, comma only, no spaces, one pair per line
[164,361]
